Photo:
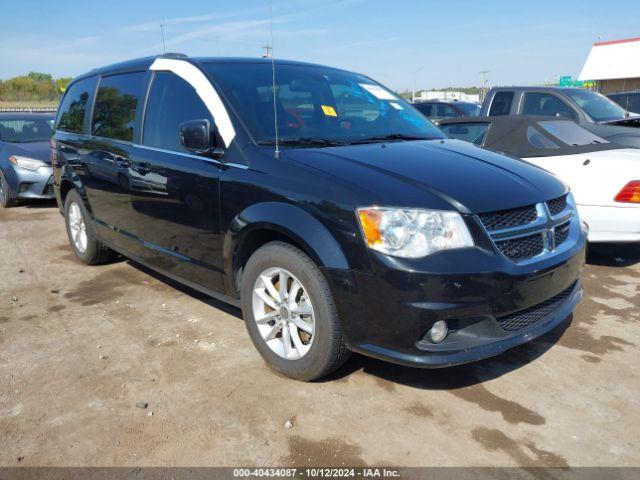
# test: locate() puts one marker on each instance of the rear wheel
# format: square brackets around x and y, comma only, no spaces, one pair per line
[290,313]
[83,240]
[7,199]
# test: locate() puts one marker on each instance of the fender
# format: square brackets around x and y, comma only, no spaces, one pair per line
[67,175]
[289,220]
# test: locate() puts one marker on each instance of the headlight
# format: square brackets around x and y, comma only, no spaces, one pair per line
[26,162]
[412,233]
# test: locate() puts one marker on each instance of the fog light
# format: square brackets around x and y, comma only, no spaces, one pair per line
[438,331]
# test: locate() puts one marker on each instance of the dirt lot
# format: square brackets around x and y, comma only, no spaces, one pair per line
[81,346]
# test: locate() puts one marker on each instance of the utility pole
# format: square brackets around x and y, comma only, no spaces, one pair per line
[164,47]
[484,80]
[413,88]
[268,49]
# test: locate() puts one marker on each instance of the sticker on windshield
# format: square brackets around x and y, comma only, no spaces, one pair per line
[395,105]
[329,111]
[378,92]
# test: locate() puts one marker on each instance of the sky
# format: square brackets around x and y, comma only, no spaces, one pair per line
[433,44]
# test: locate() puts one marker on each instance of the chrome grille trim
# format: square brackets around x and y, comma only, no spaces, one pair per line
[544,225]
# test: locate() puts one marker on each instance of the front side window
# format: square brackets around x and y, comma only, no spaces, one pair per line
[74,106]
[172,101]
[501,104]
[20,130]
[546,105]
[597,106]
[571,133]
[469,109]
[469,132]
[114,114]
[318,103]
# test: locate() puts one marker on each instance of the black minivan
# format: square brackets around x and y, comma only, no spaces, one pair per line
[326,207]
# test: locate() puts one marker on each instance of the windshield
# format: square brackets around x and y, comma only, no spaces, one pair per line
[23,131]
[317,106]
[597,106]
[469,109]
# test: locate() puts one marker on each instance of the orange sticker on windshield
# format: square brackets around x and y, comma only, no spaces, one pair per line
[329,111]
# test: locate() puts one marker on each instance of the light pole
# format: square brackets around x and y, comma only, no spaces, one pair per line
[413,88]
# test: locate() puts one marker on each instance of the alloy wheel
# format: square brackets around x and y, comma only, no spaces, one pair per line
[77,227]
[283,312]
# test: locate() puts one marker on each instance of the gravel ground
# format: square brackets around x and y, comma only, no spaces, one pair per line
[115,365]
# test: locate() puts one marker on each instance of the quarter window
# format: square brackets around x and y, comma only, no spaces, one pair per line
[74,106]
[114,114]
[172,101]
[538,140]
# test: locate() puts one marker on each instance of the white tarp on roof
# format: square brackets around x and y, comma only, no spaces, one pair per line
[610,60]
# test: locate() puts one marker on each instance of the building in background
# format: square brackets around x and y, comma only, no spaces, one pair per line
[446,95]
[614,65]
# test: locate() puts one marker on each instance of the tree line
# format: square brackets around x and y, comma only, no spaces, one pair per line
[33,87]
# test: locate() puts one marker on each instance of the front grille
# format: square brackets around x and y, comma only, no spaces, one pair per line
[509,218]
[562,233]
[557,205]
[531,315]
[522,248]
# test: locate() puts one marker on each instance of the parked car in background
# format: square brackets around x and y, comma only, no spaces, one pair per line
[604,177]
[25,168]
[630,101]
[336,216]
[593,111]
[436,110]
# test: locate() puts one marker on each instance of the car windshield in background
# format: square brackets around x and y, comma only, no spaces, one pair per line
[317,106]
[469,109]
[571,133]
[597,106]
[24,131]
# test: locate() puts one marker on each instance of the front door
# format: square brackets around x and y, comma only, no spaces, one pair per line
[174,194]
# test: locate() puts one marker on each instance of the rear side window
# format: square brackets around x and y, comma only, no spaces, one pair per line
[72,110]
[469,132]
[501,104]
[118,98]
[538,140]
[570,133]
[172,101]
[446,111]
[425,108]
[546,105]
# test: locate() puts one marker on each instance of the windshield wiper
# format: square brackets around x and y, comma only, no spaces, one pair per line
[390,137]
[304,142]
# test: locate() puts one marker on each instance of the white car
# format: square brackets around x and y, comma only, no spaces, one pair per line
[604,177]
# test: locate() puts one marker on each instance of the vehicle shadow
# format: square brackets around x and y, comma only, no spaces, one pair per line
[212,302]
[613,255]
[31,204]
[453,377]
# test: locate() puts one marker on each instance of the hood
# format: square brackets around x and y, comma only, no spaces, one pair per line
[37,150]
[436,174]
[633,120]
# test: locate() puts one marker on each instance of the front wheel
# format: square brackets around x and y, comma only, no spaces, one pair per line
[6,195]
[290,313]
[83,240]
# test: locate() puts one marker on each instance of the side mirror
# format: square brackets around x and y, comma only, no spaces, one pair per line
[199,137]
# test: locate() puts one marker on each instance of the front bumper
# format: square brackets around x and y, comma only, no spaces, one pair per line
[386,314]
[28,184]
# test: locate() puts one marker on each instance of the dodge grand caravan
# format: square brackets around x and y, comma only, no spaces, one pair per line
[320,203]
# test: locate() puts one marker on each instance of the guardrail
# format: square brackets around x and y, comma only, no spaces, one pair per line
[28,109]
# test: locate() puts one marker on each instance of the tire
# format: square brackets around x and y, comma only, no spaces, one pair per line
[325,349]
[7,199]
[94,252]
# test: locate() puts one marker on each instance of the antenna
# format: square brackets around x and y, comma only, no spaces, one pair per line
[164,47]
[273,82]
